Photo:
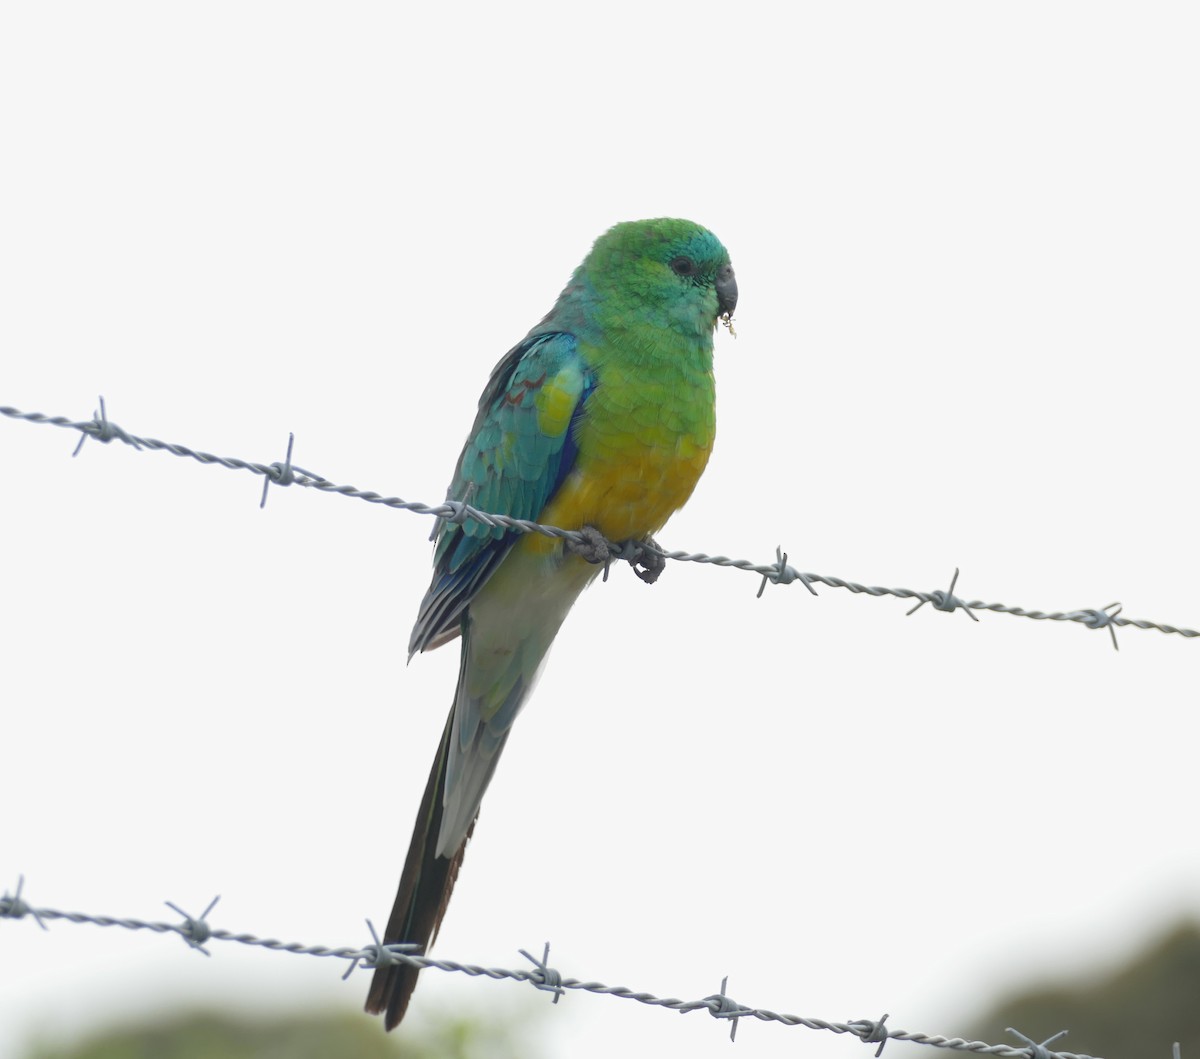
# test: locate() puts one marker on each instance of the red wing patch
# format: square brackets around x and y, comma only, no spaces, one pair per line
[514,396]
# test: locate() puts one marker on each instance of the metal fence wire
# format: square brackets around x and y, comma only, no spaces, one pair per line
[197,932]
[645,554]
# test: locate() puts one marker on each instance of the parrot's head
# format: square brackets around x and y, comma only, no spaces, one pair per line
[668,268]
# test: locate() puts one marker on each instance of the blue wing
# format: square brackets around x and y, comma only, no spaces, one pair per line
[518,452]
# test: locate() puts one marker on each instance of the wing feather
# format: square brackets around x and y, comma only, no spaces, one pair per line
[519,450]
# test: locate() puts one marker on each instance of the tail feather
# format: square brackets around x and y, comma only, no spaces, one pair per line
[422,897]
[504,642]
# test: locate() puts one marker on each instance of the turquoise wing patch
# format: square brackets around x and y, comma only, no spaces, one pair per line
[520,448]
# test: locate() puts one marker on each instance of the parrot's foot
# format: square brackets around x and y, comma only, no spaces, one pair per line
[592,547]
[644,555]
[649,558]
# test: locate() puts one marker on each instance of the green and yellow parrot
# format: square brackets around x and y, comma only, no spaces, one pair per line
[603,416]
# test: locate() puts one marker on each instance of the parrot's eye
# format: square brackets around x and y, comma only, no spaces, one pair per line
[683,266]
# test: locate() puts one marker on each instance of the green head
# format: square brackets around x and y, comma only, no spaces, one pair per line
[665,271]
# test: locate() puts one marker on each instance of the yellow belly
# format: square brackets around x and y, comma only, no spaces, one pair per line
[642,446]
[625,491]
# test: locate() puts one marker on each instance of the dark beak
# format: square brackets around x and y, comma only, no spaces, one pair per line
[726,290]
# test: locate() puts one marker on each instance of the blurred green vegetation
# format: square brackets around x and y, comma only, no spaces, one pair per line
[1135,1012]
[332,1035]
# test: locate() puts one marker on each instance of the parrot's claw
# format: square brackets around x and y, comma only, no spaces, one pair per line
[592,546]
[644,555]
[650,559]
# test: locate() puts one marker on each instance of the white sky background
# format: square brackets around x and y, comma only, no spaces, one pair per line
[966,244]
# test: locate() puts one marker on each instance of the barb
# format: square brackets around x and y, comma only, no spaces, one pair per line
[377,954]
[1036,1050]
[873,1032]
[12,906]
[719,1005]
[946,601]
[285,473]
[645,554]
[195,930]
[545,976]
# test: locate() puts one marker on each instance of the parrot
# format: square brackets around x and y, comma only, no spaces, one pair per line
[601,419]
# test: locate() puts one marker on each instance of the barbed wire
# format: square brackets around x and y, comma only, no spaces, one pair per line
[197,932]
[647,554]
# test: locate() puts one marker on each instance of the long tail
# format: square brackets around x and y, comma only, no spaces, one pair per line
[511,625]
[422,897]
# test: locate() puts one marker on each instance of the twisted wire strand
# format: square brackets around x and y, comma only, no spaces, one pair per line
[778,572]
[542,976]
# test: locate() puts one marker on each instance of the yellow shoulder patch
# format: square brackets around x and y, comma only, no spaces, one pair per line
[556,399]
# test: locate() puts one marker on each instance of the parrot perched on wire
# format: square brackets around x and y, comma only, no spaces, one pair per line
[600,419]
